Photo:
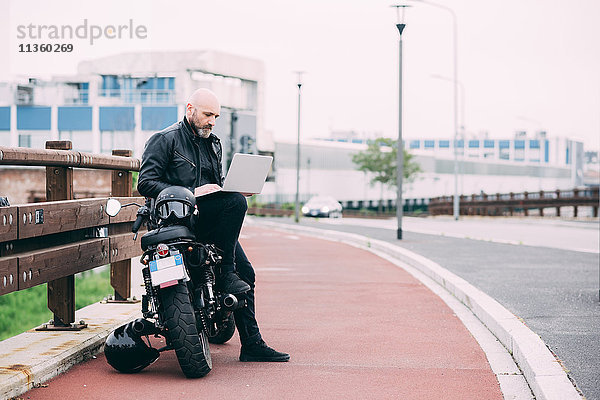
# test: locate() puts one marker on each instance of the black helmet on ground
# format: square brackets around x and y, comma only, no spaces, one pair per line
[175,204]
[125,350]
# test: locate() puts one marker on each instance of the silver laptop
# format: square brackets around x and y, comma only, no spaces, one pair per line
[247,174]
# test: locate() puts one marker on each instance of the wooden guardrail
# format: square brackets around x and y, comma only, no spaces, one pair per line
[511,203]
[51,241]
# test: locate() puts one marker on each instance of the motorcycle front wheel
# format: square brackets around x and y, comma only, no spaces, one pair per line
[191,346]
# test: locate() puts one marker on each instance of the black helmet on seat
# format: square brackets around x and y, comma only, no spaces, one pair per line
[175,204]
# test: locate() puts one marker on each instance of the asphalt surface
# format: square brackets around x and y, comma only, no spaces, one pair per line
[555,291]
[356,326]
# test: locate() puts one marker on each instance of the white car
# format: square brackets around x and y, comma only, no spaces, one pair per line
[322,206]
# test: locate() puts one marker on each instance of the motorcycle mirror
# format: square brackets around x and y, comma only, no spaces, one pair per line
[113,206]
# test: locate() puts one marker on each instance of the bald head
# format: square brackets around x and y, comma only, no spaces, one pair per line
[202,110]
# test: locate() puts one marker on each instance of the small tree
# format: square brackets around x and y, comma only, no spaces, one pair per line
[380,159]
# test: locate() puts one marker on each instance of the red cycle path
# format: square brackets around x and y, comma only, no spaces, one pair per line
[356,326]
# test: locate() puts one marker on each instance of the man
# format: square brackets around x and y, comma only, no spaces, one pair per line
[188,154]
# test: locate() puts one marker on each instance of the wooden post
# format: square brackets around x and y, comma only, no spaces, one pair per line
[525,203]
[557,202]
[120,271]
[61,292]
[541,203]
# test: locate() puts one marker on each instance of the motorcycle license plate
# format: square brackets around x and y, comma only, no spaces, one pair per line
[167,269]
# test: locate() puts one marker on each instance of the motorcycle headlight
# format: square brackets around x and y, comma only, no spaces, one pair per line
[325,209]
[305,209]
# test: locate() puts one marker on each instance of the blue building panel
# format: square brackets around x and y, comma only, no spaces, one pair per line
[473,144]
[33,118]
[519,144]
[4,118]
[158,118]
[429,144]
[504,144]
[489,144]
[74,118]
[547,151]
[534,144]
[444,144]
[414,144]
[117,118]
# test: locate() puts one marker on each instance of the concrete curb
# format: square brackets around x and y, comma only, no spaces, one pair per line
[32,358]
[544,374]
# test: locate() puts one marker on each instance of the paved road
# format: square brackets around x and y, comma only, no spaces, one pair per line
[356,326]
[555,291]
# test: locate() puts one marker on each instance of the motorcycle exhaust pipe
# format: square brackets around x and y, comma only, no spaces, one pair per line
[143,327]
[231,303]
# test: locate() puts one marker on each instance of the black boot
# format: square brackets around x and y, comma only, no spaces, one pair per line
[259,351]
[230,283]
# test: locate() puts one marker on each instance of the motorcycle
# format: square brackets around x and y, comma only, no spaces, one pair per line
[181,301]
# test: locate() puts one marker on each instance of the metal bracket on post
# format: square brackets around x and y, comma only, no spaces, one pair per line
[113,300]
[74,326]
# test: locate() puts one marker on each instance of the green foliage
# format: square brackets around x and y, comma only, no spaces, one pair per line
[134,181]
[26,309]
[288,206]
[23,310]
[380,159]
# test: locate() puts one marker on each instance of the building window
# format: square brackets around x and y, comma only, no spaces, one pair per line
[473,144]
[4,138]
[33,139]
[144,90]
[429,144]
[82,140]
[504,146]
[534,151]
[444,144]
[415,144]
[519,150]
[113,140]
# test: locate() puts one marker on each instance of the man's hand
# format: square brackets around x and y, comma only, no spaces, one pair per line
[206,189]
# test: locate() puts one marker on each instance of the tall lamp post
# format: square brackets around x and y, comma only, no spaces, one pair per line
[462,124]
[400,153]
[456,209]
[297,206]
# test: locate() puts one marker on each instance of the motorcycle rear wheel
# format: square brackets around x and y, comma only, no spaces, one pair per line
[191,346]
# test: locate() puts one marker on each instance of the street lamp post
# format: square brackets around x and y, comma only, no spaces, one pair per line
[297,205]
[462,125]
[400,152]
[456,208]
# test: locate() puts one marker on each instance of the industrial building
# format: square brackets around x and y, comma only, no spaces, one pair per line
[117,102]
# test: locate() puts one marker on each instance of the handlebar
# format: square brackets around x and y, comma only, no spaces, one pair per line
[142,214]
[137,223]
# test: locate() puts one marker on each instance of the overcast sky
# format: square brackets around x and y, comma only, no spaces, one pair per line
[525,64]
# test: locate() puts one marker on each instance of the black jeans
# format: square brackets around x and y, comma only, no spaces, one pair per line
[219,221]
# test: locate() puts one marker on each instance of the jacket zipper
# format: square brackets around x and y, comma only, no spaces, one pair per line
[185,158]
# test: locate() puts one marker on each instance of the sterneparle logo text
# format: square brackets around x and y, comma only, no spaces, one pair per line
[87,31]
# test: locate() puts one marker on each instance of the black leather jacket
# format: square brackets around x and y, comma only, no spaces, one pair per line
[171,158]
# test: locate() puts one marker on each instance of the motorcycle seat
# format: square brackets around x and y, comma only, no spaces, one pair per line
[166,234]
